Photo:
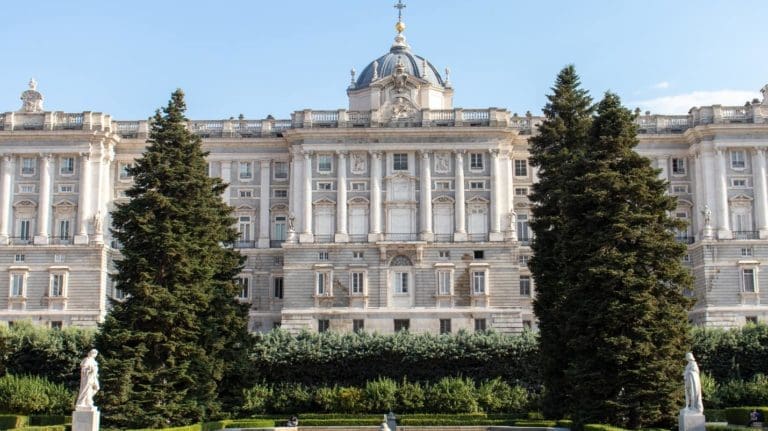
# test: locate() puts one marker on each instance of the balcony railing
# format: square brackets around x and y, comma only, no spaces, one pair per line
[276,243]
[443,237]
[21,240]
[245,244]
[477,236]
[402,237]
[746,234]
[323,238]
[358,238]
[524,241]
[61,240]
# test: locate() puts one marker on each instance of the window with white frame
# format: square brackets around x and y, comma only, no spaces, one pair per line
[277,287]
[27,188]
[324,185]
[280,193]
[19,258]
[245,193]
[280,171]
[66,188]
[479,279]
[18,284]
[445,326]
[521,167]
[123,171]
[24,229]
[357,255]
[57,287]
[400,162]
[58,258]
[444,254]
[323,283]
[66,165]
[358,325]
[357,282]
[244,284]
[477,185]
[324,162]
[444,282]
[442,185]
[244,228]
[480,325]
[522,260]
[749,280]
[323,255]
[521,191]
[679,189]
[678,166]
[279,225]
[476,161]
[401,281]
[358,186]
[246,170]
[323,325]
[28,166]
[525,285]
[746,251]
[64,229]
[739,183]
[523,231]
[738,159]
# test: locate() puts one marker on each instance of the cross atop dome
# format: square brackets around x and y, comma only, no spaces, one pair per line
[400,26]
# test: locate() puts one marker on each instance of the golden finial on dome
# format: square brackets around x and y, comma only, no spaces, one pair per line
[400,26]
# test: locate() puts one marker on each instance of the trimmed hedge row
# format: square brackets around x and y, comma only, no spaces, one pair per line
[740,415]
[13,421]
[32,394]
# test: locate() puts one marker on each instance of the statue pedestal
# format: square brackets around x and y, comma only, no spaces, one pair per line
[85,420]
[688,421]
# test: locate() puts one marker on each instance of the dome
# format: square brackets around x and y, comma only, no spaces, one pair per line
[400,52]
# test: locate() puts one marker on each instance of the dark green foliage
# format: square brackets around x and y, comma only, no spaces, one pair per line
[348,359]
[342,399]
[452,395]
[380,395]
[32,394]
[290,398]
[410,396]
[733,393]
[13,421]
[174,351]
[255,400]
[740,415]
[497,396]
[45,420]
[619,327]
[732,354]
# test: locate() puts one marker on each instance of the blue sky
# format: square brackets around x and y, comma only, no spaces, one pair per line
[259,57]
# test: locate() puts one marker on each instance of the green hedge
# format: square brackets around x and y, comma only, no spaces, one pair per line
[33,394]
[44,428]
[252,423]
[740,415]
[13,421]
[601,427]
[45,420]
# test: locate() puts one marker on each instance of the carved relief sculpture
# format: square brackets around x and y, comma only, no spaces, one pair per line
[358,163]
[442,163]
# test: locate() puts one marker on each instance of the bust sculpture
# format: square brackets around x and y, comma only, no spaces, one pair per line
[693,403]
[89,382]
[32,100]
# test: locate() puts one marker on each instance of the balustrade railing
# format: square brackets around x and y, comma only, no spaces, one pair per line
[323,238]
[20,240]
[128,129]
[475,115]
[247,128]
[281,125]
[442,115]
[245,244]
[207,129]
[68,121]
[2,121]
[401,237]
[325,117]
[734,113]
[359,118]
[685,239]
[61,240]
[477,236]
[443,237]
[358,238]
[746,234]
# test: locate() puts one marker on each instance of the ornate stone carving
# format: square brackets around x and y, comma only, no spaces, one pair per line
[442,163]
[358,163]
[32,100]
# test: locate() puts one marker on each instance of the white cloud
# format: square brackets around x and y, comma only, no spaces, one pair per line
[661,85]
[682,103]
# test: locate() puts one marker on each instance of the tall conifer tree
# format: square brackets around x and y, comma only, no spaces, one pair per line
[171,350]
[561,141]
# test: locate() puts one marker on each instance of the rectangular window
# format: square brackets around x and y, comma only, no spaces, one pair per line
[56,324]
[402,324]
[57,285]
[748,275]
[323,325]
[525,285]
[442,185]
[739,183]
[281,193]
[479,254]
[245,193]
[278,261]
[277,287]
[476,161]
[746,252]
[521,191]
[324,186]
[323,255]
[521,168]
[479,325]
[279,228]
[358,325]
[244,283]
[478,282]
[400,162]
[401,282]
[27,188]
[67,166]
[245,228]
[358,186]
[17,285]
[445,326]
[678,166]
[19,258]
[28,166]
[64,226]
[444,254]
[66,188]
[527,325]
[24,229]
[357,281]
[246,170]
[522,260]
[738,159]
[443,282]
[123,169]
[679,189]
[281,170]
[323,283]
[751,320]
[523,235]
[477,185]
[357,255]
[324,162]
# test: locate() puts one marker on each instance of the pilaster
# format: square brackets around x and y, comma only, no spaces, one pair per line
[425,198]
[44,206]
[341,197]
[375,228]
[264,190]
[460,233]
[495,234]
[761,191]
[721,192]
[84,199]
[306,235]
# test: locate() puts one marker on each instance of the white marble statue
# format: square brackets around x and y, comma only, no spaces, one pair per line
[89,382]
[693,402]
[97,223]
[707,213]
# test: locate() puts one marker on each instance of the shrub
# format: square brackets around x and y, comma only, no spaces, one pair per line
[324,399]
[13,421]
[23,394]
[410,396]
[498,396]
[743,393]
[290,398]
[343,399]
[452,395]
[740,415]
[380,395]
[255,399]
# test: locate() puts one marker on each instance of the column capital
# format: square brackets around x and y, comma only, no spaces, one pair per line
[7,158]
[494,152]
[46,156]
[457,152]
[719,151]
[425,153]
[307,154]
[375,154]
[265,163]
[342,153]
[758,151]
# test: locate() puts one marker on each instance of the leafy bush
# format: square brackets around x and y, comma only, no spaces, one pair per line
[410,396]
[452,395]
[732,354]
[344,399]
[255,399]
[380,394]
[740,415]
[601,427]
[290,398]
[22,394]
[743,393]
[498,396]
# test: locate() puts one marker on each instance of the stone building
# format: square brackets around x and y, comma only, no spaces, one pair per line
[399,212]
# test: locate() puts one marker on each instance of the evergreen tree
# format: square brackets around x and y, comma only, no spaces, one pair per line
[625,316]
[561,142]
[171,351]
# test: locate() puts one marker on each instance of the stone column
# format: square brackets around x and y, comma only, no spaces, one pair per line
[84,199]
[761,191]
[708,191]
[425,198]
[44,206]
[698,196]
[5,199]
[264,205]
[294,197]
[306,235]
[663,164]
[226,176]
[341,198]
[375,228]
[512,220]
[721,200]
[460,233]
[495,234]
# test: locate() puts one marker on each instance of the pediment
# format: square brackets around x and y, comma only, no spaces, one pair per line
[244,208]
[26,203]
[741,198]
[358,200]
[477,200]
[324,201]
[64,203]
[279,208]
[443,200]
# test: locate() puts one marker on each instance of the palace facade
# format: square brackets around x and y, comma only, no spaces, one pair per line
[400,212]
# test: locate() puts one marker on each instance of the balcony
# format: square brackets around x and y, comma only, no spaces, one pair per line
[443,237]
[401,237]
[746,234]
[61,240]
[323,238]
[478,237]
[21,240]
[358,238]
